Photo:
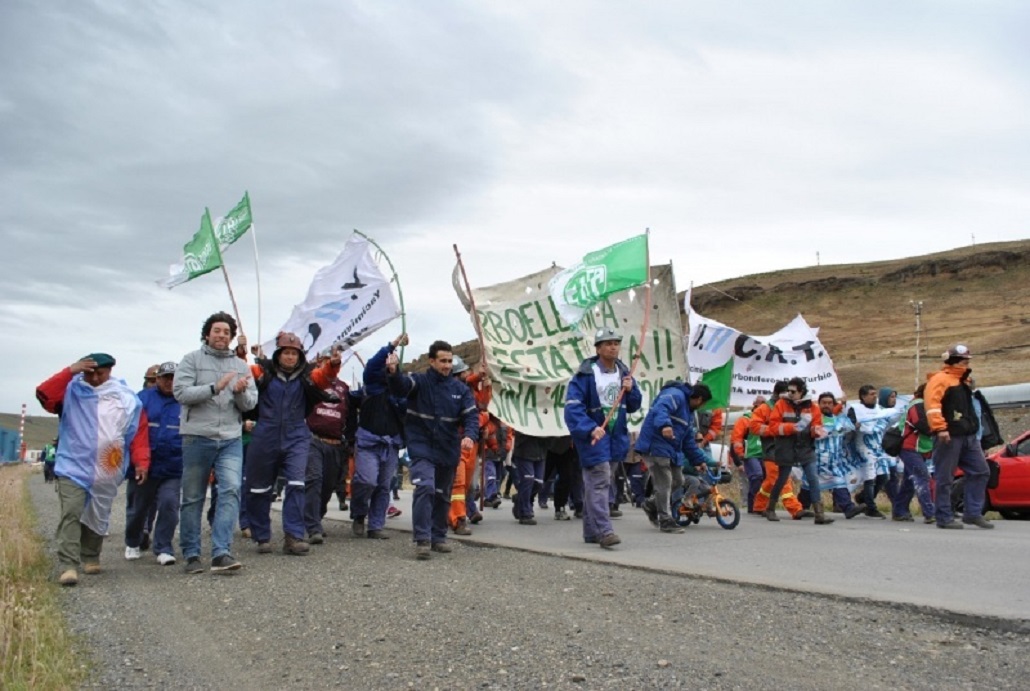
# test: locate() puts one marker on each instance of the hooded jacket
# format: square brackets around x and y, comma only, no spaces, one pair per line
[584,413]
[670,408]
[204,412]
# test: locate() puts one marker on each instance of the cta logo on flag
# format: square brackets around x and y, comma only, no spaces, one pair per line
[586,286]
[600,274]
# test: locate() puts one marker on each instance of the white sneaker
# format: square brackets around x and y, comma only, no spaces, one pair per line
[165,559]
[132,553]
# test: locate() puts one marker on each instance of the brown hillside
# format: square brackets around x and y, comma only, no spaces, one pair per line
[977,295]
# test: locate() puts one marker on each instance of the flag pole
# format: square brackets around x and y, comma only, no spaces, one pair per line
[643,335]
[225,272]
[395,279]
[482,356]
[257,264]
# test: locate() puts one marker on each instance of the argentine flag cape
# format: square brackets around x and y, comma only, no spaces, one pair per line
[97,426]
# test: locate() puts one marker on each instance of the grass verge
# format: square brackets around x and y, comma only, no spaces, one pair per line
[36,649]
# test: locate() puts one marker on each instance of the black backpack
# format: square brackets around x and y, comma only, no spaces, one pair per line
[892,440]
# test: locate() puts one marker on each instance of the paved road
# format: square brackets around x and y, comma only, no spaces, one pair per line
[364,614]
[974,572]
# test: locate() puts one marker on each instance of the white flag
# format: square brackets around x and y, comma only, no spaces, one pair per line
[347,301]
[759,361]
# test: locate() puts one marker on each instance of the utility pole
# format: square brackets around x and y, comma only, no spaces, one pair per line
[817,259]
[918,307]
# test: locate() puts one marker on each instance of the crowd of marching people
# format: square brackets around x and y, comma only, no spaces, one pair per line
[237,430]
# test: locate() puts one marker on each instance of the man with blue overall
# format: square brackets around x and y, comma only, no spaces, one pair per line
[438,405]
[289,388]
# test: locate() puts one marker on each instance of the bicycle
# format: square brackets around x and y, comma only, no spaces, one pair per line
[713,504]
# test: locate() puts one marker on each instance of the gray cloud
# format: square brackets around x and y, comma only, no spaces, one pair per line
[524,132]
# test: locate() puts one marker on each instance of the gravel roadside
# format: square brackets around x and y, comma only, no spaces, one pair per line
[363,614]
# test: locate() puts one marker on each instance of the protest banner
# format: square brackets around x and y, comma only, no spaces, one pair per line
[759,361]
[532,352]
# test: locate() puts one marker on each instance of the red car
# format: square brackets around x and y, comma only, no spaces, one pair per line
[1008,493]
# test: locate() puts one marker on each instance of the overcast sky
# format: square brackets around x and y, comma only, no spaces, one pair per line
[746,135]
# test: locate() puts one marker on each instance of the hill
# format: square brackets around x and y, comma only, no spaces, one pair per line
[39,429]
[977,295]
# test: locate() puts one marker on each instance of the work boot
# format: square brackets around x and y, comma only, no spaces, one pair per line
[422,550]
[770,515]
[476,518]
[494,503]
[91,567]
[979,522]
[463,527]
[874,513]
[951,525]
[614,512]
[295,546]
[315,538]
[357,527]
[820,516]
[264,548]
[803,513]
[855,510]
[652,512]
[377,535]
[609,541]
[442,548]
[903,518]
[68,577]
[670,526]
[527,521]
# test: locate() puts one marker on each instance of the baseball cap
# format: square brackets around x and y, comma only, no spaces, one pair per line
[165,369]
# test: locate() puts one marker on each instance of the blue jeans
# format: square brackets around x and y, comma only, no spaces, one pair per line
[199,456]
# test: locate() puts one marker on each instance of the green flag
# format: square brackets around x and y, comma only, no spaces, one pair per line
[600,274]
[199,256]
[235,223]
[719,381]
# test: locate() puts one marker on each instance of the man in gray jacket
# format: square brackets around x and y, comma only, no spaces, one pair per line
[215,388]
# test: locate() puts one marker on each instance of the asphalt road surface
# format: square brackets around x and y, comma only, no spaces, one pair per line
[860,603]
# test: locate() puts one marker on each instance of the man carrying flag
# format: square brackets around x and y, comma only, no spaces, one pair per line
[600,395]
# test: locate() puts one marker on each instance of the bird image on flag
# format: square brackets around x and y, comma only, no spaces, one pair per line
[600,274]
[719,381]
[202,254]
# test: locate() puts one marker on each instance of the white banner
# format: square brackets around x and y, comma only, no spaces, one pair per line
[347,301]
[759,361]
[532,353]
